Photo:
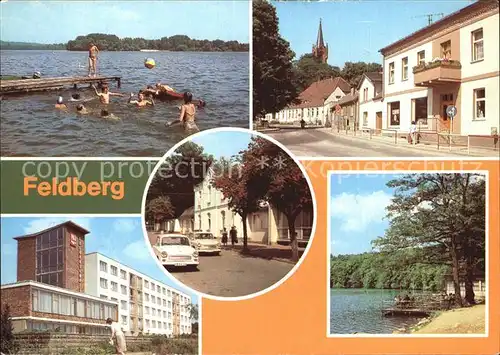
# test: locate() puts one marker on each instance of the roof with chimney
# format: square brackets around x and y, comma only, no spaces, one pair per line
[316,94]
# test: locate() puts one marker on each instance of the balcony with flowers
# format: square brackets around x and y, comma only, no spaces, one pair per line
[438,72]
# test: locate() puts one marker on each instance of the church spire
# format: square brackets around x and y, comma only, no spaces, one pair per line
[320,43]
[320,50]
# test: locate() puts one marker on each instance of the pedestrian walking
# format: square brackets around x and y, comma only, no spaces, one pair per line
[234,236]
[117,337]
[413,133]
[224,237]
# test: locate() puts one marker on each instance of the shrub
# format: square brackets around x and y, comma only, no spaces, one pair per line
[7,344]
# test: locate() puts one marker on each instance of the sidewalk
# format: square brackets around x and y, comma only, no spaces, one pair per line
[270,252]
[278,127]
[403,144]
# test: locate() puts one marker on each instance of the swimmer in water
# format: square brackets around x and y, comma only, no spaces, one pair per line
[82,110]
[59,105]
[105,94]
[163,88]
[141,101]
[75,97]
[188,111]
[150,91]
[109,116]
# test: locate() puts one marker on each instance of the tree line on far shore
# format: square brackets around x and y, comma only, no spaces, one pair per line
[436,225]
[5,45]
[177,43]
[279,78]
[106,42]
[386,271]
[243,180]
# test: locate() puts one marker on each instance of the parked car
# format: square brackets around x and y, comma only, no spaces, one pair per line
[176,250]
[205,242]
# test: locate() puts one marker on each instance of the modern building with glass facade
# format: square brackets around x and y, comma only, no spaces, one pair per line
[60,288]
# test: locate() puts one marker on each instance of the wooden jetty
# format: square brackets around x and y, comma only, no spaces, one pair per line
[43,84]
[422,306]
[396,311]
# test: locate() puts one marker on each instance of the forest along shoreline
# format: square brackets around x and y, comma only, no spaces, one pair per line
[432,254]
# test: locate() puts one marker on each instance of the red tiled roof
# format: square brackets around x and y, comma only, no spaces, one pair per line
[316,94]
[349,98]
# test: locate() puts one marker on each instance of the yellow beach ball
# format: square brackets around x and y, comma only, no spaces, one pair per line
[149,63]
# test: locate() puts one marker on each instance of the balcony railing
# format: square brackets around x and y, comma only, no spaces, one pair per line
[437,72]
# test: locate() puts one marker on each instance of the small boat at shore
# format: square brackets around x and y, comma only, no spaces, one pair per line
[149,50]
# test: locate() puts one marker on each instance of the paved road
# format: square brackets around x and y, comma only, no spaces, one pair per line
[318,143]
[232,275]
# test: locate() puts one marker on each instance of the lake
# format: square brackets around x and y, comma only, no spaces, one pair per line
[30,126]
[359,310]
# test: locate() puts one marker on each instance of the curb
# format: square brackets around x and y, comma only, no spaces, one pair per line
[422,146]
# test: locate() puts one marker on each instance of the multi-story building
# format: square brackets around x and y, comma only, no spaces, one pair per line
[370,101]
[59,287]
[145,304]
[49,293]
[267,226]
[452,62]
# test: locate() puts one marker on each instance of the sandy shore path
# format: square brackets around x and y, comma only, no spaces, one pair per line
[458,321]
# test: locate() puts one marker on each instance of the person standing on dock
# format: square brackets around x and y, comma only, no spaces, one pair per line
[93,52]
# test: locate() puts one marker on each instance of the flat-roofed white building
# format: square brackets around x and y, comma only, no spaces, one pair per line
[144,304]
[452,62]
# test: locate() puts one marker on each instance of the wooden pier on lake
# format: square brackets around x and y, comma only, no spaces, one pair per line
[411,312]
[419,307]
[44,84]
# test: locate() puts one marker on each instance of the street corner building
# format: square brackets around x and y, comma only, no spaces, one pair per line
[61,288]
[452,62]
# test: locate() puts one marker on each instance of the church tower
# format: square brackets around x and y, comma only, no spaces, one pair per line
[319,50]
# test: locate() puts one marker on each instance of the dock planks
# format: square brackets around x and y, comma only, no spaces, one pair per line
[417,312]
[44,84]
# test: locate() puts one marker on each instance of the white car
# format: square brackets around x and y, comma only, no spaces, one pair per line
[176,250]
[205,242]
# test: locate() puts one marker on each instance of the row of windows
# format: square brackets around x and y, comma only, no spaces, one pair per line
[477,54]
[298,113]
[49,302]
[103,266]
[67,328]
[50,239]
[420,108]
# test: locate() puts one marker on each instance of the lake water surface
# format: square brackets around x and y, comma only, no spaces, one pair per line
[30,126]
[359,311]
